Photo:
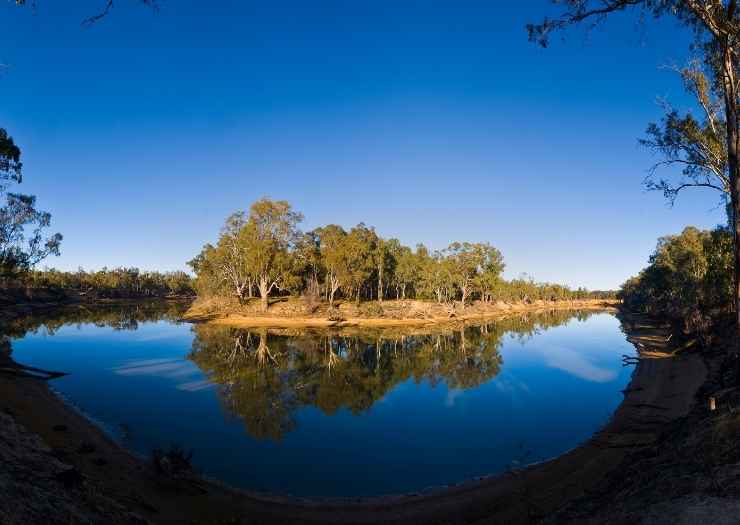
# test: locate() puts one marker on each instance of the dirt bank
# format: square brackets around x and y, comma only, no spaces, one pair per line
[65,470]
[691,472]
[291,313]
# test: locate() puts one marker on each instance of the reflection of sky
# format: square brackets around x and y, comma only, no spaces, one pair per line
[578,365]
[144,331]
[511,386]
[588,356]
[176,369]
[156,367]
[452,395]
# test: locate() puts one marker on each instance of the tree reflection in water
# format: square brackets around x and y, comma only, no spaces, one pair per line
[118,316]
[265,376]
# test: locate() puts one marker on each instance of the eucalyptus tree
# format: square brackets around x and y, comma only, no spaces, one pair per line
[380,257]
[488,280]
[231,255]
[488,284]
[264,249]
[269,237]
[468,261]
[360,246]
[407,272]
[22,240]
[388,255]
[309,265]
[437,276]
[688,276]
[713,79]
[332,248]
[208,279]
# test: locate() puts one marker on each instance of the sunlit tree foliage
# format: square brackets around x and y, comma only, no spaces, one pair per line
[689,278]
[263,250]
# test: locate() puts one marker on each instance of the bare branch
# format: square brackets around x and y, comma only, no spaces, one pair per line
[579,11]
[109,4]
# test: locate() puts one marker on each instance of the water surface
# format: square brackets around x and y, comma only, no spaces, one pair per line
[319,413]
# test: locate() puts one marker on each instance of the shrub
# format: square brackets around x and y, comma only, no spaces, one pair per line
[174,463]
[371,310]
[333,314]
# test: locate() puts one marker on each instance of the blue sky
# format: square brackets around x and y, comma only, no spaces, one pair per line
[432,121]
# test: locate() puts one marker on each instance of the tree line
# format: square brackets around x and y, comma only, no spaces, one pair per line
[689,278]
[110,283]
[262,252]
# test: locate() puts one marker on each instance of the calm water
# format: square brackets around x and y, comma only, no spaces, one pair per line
[322,414]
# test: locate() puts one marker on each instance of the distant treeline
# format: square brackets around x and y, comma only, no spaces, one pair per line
[262,252]
[689,278]
[107,283]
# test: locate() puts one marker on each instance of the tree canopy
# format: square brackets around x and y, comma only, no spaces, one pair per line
[262,253]
[706,149]
[688,279]
[22,240]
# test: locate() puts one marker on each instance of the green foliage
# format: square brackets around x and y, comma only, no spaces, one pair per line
[110,283]
[256,250]
[22,241]
[264,251]
[473,264]
[697,147]
[687,273]
[704,149]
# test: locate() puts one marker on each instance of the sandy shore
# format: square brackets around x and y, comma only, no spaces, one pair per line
[236,318]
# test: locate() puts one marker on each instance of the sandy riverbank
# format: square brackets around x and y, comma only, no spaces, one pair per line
[106,484]
[291,313]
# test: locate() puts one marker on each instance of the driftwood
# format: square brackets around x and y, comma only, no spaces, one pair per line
[29,371]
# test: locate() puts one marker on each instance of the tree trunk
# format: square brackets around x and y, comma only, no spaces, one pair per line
[264,291]
[735,198]
[733,164]
[380,282]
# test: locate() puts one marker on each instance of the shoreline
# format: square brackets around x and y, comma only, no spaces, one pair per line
[236,318]
[546,486]
[40,306]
